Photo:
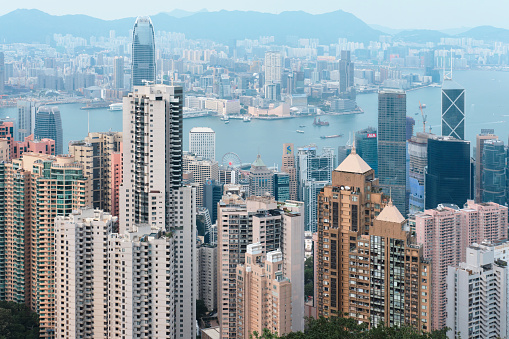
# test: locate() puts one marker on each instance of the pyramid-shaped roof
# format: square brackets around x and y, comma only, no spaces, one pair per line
[391,214]
[353,164]
[258,162]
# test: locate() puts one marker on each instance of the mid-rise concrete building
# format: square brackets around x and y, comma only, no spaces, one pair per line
[264,295]
[202,170]
[477,293]
[202,142]
[43,146]
[445,233]
[288,166]
[261,179]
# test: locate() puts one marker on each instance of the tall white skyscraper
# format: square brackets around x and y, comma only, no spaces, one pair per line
[152,191]
[202,142]
[118,73]
[273,67]
[26,119]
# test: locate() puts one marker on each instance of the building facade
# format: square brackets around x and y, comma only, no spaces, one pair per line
[288,166]
[493,177]
[480,139]
[453,110]
[392,146]
[202,170]
[207,279]
[48,124]
[202,142]
[261,179]
[143,67]
[418,160]
[26,118]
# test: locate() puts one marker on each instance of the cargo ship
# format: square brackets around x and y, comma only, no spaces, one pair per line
[299,131]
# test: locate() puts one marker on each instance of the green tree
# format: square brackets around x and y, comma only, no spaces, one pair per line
[201,309]
[17,321]
[309,277]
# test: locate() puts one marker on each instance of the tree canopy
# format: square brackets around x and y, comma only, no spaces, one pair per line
[17,321]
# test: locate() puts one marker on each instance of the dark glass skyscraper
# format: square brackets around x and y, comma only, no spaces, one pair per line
[366,147]
[448,177]
[392,146]
[453,110]
[493,172]
[143,52]
[48,124]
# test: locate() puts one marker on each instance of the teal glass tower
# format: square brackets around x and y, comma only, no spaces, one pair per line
[143,52]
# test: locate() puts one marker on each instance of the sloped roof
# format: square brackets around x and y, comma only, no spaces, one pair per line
[258,162]
[353,164]
[391,214]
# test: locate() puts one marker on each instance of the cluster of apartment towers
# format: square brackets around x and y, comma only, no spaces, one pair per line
[102,242]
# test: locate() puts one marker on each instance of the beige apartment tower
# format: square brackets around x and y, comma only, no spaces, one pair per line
[264,295]
[288,166]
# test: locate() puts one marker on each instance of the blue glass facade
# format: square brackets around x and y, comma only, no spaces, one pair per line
[143,52]
[48,124]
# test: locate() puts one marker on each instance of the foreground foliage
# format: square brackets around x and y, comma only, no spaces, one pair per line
[17,321]
[341,327]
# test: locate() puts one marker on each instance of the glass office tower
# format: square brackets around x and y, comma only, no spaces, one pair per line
[493,172]
[48,124]
[143,52]
[453,110]
[392,146]
[448,177]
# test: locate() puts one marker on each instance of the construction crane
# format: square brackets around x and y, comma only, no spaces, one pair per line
[424,117]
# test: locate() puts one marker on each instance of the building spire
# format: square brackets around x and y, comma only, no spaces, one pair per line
[353,151]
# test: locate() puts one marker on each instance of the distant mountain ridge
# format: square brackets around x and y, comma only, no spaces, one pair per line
[30,25]
[34,26]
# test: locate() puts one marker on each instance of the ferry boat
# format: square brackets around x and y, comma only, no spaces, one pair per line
[299,131]
[116,107]
[302,125]
[331,136]
[247,119]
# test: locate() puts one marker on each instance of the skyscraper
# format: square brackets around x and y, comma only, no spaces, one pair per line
[202,170]
[392,146]
[202,142]
[453,109]
[26,119]
[366,146]
[118,73]
[448,176]
[2,73]
[143,52]
[418,160]
[480,139]
[346,72]
[152,191]
[273,68]
[288,166]
[281,184]
[48,124]
[494,181]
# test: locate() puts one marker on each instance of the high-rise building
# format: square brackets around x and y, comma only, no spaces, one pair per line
[494,181]
[118,72]
[261,179]
[392,146]
[2,73]
[152,191]
[258,219]
[418,160]
[212,194]
[202,142]
[207,272]
[486,134]
[48,124]
[37,188]
[448,177]
[445,232]
[97,154]
[346,72]
[359,244]
[453,110]
[143,53]
[202,170]
[313,172]
[288,166]
[281,184]
[477,293]
[26,119]
[44,146]
[273,67]
[264,294]
[366,145]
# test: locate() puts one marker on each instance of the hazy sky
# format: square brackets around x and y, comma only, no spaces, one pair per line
[431,14]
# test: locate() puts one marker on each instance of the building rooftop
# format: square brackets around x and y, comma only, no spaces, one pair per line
[201,130]
[353,164]
[390,213]
[258,162]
